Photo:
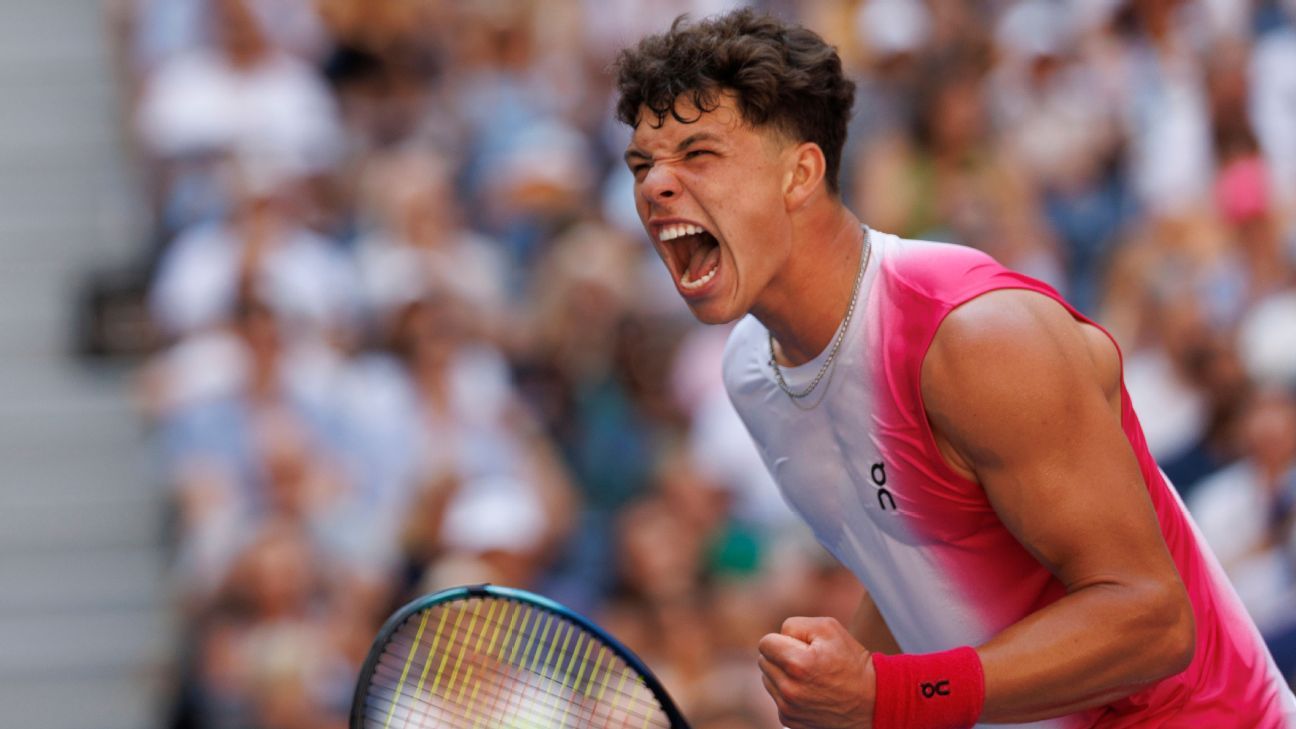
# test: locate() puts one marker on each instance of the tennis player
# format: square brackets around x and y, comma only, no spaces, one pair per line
[954,432]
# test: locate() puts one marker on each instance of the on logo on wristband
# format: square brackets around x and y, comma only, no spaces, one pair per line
[944,690]
[932,690]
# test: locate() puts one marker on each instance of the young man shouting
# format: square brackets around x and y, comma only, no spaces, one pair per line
[954,432]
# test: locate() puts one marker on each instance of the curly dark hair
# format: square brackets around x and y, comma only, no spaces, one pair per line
[784,76]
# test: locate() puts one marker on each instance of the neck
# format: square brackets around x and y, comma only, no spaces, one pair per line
[808,303]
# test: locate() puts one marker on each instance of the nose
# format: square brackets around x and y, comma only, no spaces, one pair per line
[659,185]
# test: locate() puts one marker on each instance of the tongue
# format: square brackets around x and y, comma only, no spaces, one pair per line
[705,257]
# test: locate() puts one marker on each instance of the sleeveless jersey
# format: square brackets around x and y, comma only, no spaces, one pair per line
[858,462]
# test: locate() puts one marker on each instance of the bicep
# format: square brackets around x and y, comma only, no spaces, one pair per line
[1013,387]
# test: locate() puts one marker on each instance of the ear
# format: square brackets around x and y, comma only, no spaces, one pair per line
[805,172]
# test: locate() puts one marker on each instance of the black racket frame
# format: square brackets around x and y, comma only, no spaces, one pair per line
[468,592]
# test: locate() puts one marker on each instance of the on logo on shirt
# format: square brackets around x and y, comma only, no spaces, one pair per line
[877,473]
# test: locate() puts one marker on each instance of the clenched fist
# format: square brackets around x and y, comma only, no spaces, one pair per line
[818,675]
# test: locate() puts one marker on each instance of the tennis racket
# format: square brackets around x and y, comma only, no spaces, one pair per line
[501,658]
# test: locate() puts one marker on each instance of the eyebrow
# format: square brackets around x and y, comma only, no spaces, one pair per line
[684,144]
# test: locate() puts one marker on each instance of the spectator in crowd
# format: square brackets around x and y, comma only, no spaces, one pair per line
[1167,126]
[262,244]
[254,446]
[274,650]
[1247,511]
[419,241]
[470,434]
[236,93]
[1271,81]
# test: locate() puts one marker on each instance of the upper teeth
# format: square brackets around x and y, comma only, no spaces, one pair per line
[671,232]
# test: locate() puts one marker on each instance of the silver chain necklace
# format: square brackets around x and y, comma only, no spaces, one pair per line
[841,333]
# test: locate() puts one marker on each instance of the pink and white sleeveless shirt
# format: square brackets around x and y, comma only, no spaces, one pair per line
[857,460]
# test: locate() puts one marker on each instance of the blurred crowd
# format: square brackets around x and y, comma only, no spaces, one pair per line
[409,333]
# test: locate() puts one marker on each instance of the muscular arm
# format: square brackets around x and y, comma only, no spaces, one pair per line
[1025,402]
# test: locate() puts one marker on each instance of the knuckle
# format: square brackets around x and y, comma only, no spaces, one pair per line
[797,668]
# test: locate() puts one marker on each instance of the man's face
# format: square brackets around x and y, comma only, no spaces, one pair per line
[710,196]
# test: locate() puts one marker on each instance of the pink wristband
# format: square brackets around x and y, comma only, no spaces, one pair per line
[943,690]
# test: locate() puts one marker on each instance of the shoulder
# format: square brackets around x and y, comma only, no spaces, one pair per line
[947,296]
[935,269]
[962,289]
[1008,333]
[1020,317]
[1008,349]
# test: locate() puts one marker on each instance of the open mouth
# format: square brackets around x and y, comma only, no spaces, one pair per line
[694,253]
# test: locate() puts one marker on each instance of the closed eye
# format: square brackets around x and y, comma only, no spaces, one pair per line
[695,153]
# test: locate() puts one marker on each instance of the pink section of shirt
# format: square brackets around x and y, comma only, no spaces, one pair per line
[1231,680]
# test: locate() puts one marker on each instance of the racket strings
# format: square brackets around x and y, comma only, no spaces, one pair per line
[497,715]
[562,705]
[544,670]
[504,665]
[539,660]
[399,647]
